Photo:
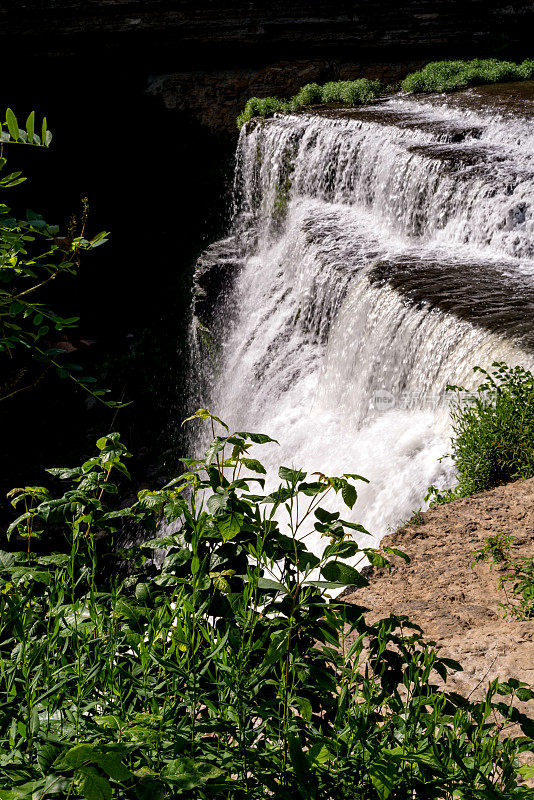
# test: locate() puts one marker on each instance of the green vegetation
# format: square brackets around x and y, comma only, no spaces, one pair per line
[492,444]
[493,432]
[438,76]
[228,671]
[416,518]
[448,76]
[518,572]
[34,255]
[350,93]
[495,548]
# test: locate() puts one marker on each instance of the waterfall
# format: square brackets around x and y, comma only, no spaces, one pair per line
[376,255]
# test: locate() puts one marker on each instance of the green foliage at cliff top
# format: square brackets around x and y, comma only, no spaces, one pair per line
[447,76]
[350,93]
[438,76]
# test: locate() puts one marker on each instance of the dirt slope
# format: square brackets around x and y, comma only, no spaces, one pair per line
[458,605]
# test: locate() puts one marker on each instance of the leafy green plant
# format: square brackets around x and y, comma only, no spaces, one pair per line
[447,76]
[34,255]
[493,432]
[219,665]
[520,573]
[309,95]
[438,497]
[350,93]
[11,131]
[437,76]
[495,548]
[416,518]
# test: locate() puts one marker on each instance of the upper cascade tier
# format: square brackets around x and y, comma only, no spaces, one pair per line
[430,171]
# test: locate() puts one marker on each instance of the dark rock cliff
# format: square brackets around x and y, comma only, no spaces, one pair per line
[211,55]
[310,25]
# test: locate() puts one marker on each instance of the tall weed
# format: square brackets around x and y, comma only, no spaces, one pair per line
[493,433]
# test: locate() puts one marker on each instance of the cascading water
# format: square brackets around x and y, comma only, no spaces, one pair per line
[376,256]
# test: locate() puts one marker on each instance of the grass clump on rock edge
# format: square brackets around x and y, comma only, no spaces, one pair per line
[350,93]
[447,76]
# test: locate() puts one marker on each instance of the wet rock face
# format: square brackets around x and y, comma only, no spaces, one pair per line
[215,272]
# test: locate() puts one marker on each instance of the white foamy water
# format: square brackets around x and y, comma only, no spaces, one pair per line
[315,343]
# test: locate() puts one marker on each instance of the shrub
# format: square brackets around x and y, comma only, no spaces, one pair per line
[493,433]
[228,672]
[308,95]
[518,572]
[527,69]
[447,76]
[260,107]
[351,93]
[495,548]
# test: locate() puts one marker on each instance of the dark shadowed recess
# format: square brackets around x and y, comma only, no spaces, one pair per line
[156,180]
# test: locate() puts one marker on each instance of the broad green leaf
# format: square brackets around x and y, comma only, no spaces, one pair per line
[217,501]
[291,475]
[300,764]
[354,526]
[355,477]
[312,489]
[187,774]
[12,125]
[111,764]
[47,753]
[305,708]
[383,774]
[526,771]
[319,754]
[257,438]
[215,447]
[376,558]
[7,560]
[395,552]
[229,524]
[326,516]
[325,584]
[349,495]
[203,413]
[267,583]
[254,465]
[343,573]
[76,756]
[93,786]
[30,126]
